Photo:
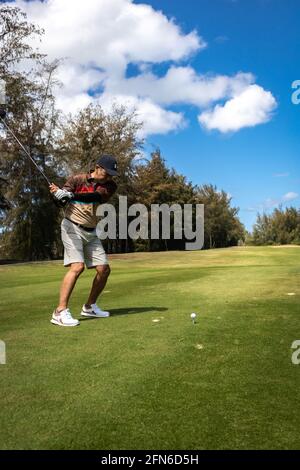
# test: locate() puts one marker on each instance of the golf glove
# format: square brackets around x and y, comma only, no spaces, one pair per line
[63,194]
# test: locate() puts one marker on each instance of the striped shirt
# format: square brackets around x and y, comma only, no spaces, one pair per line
[89,194]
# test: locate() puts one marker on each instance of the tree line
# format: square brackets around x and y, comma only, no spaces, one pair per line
[65,144]
[282,227]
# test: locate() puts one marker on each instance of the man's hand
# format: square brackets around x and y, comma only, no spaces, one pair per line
[53,188]
[61,196]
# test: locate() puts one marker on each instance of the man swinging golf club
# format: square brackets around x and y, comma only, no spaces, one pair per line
[82,195]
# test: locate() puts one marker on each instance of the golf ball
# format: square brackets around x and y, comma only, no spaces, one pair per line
[193,316]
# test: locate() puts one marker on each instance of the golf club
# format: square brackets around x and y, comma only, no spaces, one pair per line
[2,117]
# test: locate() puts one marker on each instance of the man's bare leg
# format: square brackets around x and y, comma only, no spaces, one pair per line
[98,284]
[68,284]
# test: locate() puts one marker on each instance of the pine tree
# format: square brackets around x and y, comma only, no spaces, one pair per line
[29,224]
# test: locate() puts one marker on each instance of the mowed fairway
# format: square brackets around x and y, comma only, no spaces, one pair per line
[128,382]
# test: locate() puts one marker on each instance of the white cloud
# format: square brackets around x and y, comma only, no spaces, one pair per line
[100,38]
[290,196]
[77,78]
[156,119]
[72,104]
[110,33]
[280,175]
[271,203]
[252,106]
[182,85]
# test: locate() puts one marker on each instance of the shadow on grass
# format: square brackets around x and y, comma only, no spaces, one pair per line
[129,311]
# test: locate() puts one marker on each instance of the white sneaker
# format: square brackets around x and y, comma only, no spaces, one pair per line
[94,311]
[63,318]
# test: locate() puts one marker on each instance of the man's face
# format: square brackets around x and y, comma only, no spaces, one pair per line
[101,174]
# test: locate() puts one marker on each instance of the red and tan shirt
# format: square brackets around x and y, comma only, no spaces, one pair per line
[84,213]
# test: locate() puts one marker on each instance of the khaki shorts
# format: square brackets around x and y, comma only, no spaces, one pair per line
[81,246]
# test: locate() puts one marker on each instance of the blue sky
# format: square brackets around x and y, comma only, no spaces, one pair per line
[258,166]
[210,79]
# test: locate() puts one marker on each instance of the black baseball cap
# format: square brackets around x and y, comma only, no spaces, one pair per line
[109,163]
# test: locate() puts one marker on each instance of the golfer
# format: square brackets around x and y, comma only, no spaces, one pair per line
[81,196]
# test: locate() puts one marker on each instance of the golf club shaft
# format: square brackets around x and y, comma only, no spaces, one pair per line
[24,150]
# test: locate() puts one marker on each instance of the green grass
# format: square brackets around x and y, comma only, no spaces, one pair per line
[127,382]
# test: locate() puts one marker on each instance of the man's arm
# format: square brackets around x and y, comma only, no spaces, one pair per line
[70,184]
[87,197]
[101,195]
[107,191]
